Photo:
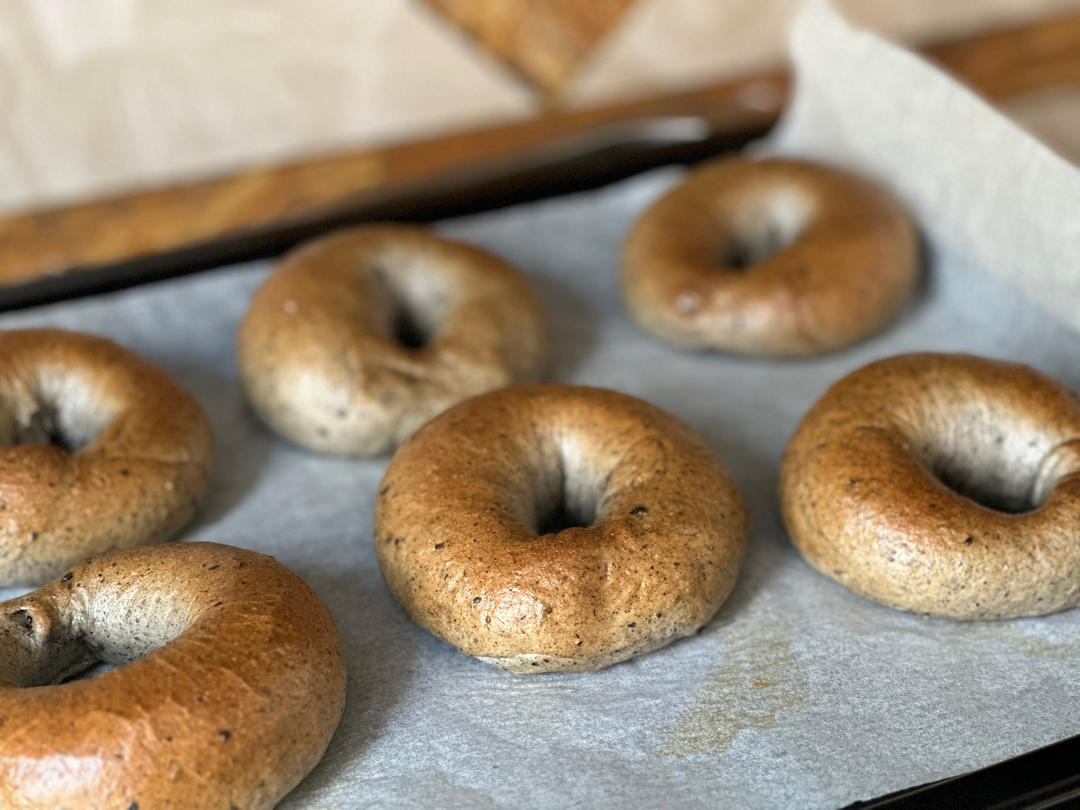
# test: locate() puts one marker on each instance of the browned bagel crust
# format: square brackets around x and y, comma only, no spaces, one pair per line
[318,357]
[832,259]
[862,492]
[458,509]
[230,685]
[144,452]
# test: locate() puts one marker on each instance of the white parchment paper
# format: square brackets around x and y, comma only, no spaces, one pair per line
[975,179]
[799,693]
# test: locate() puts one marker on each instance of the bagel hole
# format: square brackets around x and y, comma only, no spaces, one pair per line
[113,625]
[559,516]
[55,657]
[765,226]
[979,464]
[95,669]
[44,428]
[743,252]
[416,302]
[408,332]
[963,482]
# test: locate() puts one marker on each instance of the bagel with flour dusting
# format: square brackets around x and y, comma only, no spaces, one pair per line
[558,528]
[944,484]
[769,257]
[101,450]
[228,685]
[357,339]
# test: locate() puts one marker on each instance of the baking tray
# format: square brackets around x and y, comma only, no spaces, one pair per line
[799,693]
[314,514]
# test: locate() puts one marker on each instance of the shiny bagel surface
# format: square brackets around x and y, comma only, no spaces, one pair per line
[229,683]
[358,338]
[944,484]
[654,528]
[769,257]
[101,450]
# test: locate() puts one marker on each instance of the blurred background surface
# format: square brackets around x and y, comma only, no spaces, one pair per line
[104,97]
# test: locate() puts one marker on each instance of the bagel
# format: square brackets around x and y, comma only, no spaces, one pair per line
[228,686]
[769,257]
[943,484]
[554,527]
[358,338]
[100,450]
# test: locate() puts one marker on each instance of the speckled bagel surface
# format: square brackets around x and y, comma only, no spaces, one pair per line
[944,484]
[229,683]
[461,540]
[769,257]
[358,338]
[101,450]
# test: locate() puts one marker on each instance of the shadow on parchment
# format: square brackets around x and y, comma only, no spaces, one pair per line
[756,475]
[379,664]
[241,445]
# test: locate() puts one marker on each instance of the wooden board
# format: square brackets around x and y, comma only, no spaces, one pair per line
[541,40]
[37,244]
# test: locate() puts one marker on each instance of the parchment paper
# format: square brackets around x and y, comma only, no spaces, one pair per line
[799,694]
[975,179]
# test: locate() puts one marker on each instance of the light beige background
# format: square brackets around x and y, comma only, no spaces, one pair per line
[106,95]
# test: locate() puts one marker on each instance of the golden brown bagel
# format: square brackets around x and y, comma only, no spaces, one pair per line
[323,349]
[229,686]
[769,257]
[98,450]
[884,483]
[461,538]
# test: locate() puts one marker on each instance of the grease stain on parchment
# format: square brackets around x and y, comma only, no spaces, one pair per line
[759,678]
